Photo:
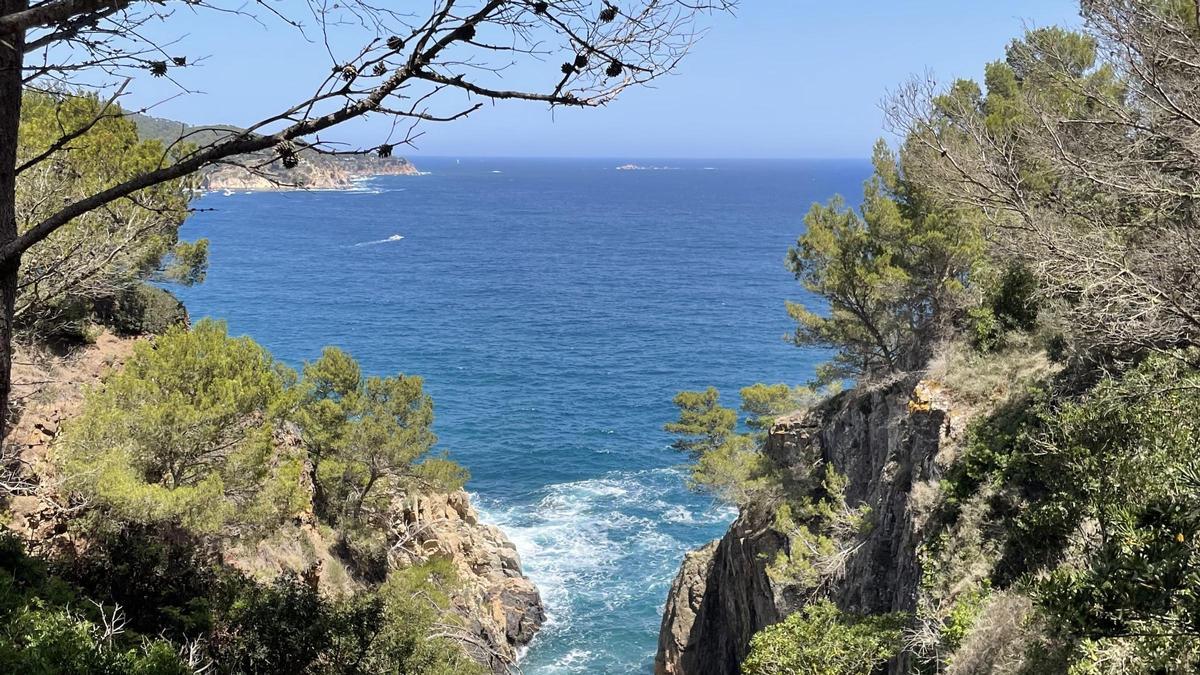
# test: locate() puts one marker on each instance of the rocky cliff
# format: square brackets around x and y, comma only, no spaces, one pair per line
[891,443]
[499,607]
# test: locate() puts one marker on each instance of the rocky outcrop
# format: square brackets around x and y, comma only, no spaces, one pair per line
[891,443]
[722,596]
[684,602]
[499,607]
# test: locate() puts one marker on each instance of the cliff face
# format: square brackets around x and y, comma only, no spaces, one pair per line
[891,444]
[499,606]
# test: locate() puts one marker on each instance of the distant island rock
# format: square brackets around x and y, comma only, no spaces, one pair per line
[639,167]
[315,171]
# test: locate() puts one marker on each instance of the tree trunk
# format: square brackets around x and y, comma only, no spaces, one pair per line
[12,51]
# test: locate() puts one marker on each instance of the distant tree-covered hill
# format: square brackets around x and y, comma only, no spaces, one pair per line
[315,170]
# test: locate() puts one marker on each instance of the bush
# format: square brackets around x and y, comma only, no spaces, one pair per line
[160,576]
[1010,305]
[152,582]
[820,526]
[47,627]
[414,600]
[183,434]
[821,640]
[141,310]
[286,626]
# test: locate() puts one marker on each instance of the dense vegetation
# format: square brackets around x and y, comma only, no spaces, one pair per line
[1048,213]
[141,604]
[820,640]
[96,266]
[189,442]
[199,444]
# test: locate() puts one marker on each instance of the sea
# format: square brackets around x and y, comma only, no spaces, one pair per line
[553,308]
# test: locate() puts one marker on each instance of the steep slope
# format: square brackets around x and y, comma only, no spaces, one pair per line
[500,607]
[891,443]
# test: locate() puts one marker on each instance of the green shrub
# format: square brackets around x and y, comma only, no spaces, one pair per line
[183,433]
[821,640]
[414,600]
[47,627]
[963,615]
[161,577]
[1009,305]
[141,310]
[821,528]
[287,626]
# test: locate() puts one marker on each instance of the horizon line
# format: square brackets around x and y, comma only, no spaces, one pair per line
[642,158]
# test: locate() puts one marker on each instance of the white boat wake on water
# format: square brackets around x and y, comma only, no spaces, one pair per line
[394,237]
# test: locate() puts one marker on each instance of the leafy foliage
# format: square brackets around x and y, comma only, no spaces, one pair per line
[142,310]
[820,526]
[1009,305]
[369,438]
[48,629]
[96,615]
[704,425]
[414,600]
[726,461]
[821,640]
[1111,458]
[184,433]
[104,254]
[888,278]
[764,403]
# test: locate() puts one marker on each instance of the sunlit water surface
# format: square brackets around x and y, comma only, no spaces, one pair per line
[553,307]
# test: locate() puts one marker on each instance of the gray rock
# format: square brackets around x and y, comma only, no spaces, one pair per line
[884,440]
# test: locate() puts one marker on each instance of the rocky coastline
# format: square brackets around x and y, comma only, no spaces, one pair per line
[892,443]
[326,174]
[499,607]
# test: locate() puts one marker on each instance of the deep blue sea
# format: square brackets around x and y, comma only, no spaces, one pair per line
[553,307]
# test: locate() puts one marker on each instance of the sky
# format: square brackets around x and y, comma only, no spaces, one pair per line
[777,79]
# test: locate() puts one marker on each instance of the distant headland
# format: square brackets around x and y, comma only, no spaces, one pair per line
[315,171]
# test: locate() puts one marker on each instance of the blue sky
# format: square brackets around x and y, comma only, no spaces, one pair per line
[781,78]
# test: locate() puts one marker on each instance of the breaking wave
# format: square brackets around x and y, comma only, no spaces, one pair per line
[604,548]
